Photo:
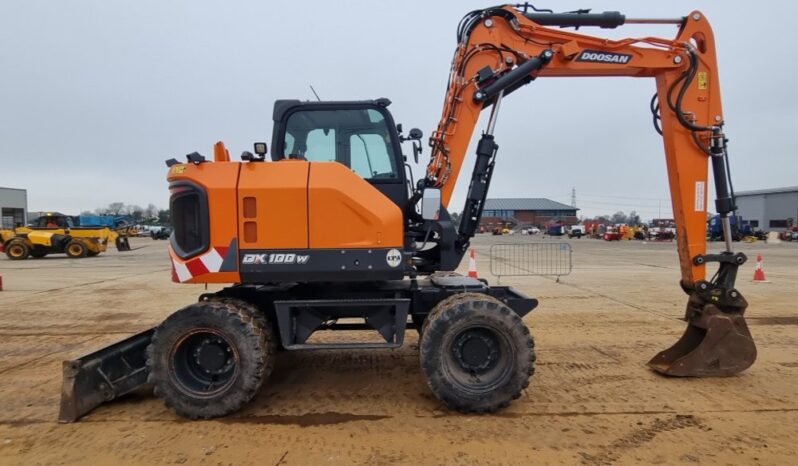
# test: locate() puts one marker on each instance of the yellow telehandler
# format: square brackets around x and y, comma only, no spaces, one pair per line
[55,233]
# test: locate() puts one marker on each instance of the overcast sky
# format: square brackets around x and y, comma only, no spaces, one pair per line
[95,95]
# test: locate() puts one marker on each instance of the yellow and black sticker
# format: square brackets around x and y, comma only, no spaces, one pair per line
[177,169]
[702,80]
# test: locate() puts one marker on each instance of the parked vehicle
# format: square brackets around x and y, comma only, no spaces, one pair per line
[576,231]
[163,233]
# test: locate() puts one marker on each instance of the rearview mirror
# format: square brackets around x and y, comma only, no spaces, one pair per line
[431,204]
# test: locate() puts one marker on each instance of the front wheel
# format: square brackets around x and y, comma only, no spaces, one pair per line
[210,358]
[476,353]
[76,249]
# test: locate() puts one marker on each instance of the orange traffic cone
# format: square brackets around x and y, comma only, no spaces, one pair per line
[759,272]
[472,264]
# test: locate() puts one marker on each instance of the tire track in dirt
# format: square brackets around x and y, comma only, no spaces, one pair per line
[334,418]
[639,437]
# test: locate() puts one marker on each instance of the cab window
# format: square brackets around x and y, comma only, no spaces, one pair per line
[357,138]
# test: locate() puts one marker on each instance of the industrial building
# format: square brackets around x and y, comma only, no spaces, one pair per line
[13,207]
[769,209]
[515,212]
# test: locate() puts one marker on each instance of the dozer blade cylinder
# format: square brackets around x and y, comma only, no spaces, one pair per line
[715,344]
[101,376]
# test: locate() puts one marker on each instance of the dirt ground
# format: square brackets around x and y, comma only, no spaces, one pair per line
[592,400]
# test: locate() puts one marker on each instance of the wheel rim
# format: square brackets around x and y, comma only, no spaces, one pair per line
[16,250]
[479,359]
[75,249]
[203,363]
[476,350]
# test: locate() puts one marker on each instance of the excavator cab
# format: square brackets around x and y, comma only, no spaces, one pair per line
[358,134]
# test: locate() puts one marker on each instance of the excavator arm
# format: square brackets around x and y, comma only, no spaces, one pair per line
[503,48]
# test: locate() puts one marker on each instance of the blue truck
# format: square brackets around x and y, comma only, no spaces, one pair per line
[739,228]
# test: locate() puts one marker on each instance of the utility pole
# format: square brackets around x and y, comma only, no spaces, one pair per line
[573,197]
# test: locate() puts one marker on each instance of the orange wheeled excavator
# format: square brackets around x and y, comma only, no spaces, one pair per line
[333,234]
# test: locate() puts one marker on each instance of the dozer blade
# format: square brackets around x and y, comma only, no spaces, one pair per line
[715,344]
[101,376]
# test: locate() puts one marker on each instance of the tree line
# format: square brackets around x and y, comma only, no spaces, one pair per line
[619,217]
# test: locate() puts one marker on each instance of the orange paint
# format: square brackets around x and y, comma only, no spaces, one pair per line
[277,193]
[346,211]
[649,57]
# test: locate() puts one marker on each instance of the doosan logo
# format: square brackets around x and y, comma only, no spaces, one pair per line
[597,56]
[276,258]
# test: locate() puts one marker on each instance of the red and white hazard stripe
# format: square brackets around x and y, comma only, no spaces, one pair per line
[208,262]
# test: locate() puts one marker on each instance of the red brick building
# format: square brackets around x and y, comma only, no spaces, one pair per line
[522,212]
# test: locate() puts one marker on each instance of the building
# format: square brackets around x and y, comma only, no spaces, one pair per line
[526,212]
[13,207]
[768,209]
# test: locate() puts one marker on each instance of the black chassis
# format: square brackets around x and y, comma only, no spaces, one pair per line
[300,309]
[297,310]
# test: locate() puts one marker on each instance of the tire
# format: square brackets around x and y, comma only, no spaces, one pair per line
[456,336]
[75,249]
[17,250]
[238,332]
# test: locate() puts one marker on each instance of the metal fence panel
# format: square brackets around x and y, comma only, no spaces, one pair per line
[527,259]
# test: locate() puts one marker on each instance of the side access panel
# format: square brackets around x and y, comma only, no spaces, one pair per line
[347,212]
[340,228]
[273,205]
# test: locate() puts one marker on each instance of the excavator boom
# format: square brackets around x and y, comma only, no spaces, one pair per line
[501,49]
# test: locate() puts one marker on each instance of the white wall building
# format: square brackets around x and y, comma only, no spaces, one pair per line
[13,207]
[769,208]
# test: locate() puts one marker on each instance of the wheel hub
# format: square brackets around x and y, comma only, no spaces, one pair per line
[213,355]
[204,362]
[476,350]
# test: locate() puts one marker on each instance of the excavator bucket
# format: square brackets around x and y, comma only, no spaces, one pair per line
[122,243]
[104,375]
[715,344]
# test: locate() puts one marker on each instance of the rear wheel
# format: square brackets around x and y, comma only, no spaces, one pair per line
[476,353]
[209,359]
[17,250]
[76,249]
